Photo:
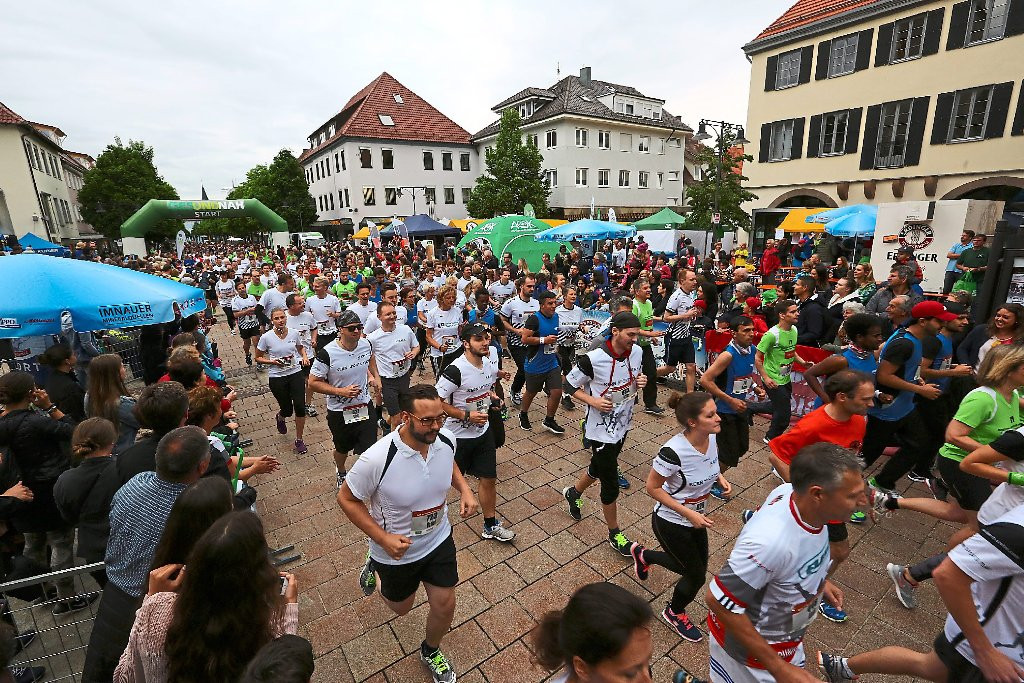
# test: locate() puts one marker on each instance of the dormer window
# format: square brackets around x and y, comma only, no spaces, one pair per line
[323,137]
[386,120]
[398,99]
[527,109]
[330,131]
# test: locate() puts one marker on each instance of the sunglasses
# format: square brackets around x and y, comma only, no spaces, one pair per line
[353,328]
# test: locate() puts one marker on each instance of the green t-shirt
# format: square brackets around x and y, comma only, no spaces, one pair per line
[345,291]
[645,311]
[779,349]
[302,286]
[256,290]
[988,415]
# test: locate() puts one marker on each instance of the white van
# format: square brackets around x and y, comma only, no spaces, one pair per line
[307,239]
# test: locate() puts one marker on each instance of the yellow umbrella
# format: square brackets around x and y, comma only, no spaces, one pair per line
[464,224]
[795,221]
[364,233]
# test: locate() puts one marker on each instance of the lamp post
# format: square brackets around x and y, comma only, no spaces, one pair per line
[722,128]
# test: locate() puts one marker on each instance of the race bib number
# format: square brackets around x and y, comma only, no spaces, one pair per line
[804,615]
[946,363]
[401,366]
[786,366]
[741,386]
[697,506]
[287,361]
[328,328]
[479,404]
[353,414]
[449,344]
[551,348]
[248,322]
[621,395]
[424,521]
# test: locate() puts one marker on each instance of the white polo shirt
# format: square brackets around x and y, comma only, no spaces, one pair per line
[411,498]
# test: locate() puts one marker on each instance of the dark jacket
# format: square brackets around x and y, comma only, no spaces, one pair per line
[83,496]
[67,394]
[810,326]
[35,441]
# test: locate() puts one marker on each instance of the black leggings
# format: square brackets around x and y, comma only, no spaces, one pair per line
[421,339]
[229,313]
[782,409]
[685,552]
[290,392]
[912,437]
[518,354]
[604,466]
[649,366]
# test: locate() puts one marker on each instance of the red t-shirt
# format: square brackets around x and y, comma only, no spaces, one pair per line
[817,426]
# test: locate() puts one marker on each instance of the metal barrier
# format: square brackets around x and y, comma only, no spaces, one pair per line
[60,642]
[125,343]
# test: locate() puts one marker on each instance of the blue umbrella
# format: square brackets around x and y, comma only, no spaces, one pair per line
[42,290]
[842,212]
[585,229]
[852,225]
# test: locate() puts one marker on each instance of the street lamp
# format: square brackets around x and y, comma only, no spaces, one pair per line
[722,128]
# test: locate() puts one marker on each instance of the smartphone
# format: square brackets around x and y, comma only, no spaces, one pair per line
[284,585]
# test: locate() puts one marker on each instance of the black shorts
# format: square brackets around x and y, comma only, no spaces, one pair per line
[249,333]
[960,669]
[550,380]
[970,491]
[478,456]
[391,386]
[439,568]
[681,352]
[355,437]
[837,532]
[566,358]
[733,439]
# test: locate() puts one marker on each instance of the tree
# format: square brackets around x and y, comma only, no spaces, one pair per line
[281,186]
[731,196]
[513,177]
[123,180]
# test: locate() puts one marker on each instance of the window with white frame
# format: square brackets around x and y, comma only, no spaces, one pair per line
[430,195]
[673,175]
[645,144]
[449,195]
[341,200]
[604,139]
[387,158]
[464,161]
[532,139]
[581,137]
[781,145]
[348,199]
[628,109]
[661,180]
[330,131]
[833,133]
[661,145]
[625,142]
[466,193]
[365,160]
[398,99]
[788,73]
[602,176]
[842,57]
[551,139]
[970,113]
[551,175]
[581,177]
[446,161]
[428,160]
[623,178]
[893,132]
[642,179]
[386,120]
[369,196]
[908,38]
[672,201]
[988,20]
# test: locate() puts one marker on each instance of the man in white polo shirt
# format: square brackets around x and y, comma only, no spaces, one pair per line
[410,535]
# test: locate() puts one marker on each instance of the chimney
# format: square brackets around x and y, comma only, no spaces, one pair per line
[585,75]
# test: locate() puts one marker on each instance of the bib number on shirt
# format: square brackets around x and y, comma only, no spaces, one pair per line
[327,327]
[424,521]
[551,348]
[449,344]
[621,395]
[479,404]
[401,366]
[803,615]
[741,386]
[357,413]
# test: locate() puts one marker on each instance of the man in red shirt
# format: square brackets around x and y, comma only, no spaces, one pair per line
[770,261]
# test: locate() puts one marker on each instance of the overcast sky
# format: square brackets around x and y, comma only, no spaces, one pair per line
[219,86]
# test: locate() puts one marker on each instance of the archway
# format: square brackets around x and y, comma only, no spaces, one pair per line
[135,228]
[803,198]
[1006,189]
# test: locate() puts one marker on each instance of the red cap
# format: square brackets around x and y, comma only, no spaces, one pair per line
[753,302]
[932,309]
[701,304]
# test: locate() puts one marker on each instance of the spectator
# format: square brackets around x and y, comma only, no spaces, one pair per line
[845,291]
[905,257]
[188,617]
[161,408]
[822,285]
[810,327]
[287,659]
[974,260]
[750,310]
[864,276]
[827,249]
[195,511]
[770,261]
[85,346]
[1005,327]
[952,273]
[62,385]
[108,397]
[900,277]
[842,268]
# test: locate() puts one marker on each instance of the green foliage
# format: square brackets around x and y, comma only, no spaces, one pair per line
[124,179]
[281,186]
[513,177]
[700,195]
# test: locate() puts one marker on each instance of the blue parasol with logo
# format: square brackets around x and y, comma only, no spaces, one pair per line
[45,295]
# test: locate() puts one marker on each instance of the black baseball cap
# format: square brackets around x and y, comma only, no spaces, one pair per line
[624,320]
[474,330]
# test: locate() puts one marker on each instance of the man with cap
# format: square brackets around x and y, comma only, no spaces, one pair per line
[543,370]
[466,387]
[606,381]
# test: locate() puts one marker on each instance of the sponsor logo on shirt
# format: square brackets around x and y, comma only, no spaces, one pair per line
[811,566]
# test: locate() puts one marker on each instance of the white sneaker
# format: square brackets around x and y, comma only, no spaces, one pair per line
[498,533]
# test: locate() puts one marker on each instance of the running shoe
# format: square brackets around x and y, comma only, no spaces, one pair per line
[368,577]
[24,639]
[311,411]
[248,359]
[858,517]
[914,476]
[623,482]
[498,532]
[440,668]
[341,478]
[874,485]
[654,410]
[552,426]
[517,398]
[618,541]
[504,414]
[282,426]
[28,674]
[938,488]
[835,668]
[831,612]
[718,492]
[524,422]
[746,515]
[575,500]
[885,505]
[567,403]
[232,332]
[640,568]
[684,676]
[765,442]
[75,604]
[300,447]
[904,589]
[681,624]
[775,473]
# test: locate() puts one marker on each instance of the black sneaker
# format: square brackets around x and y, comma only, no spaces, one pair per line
[524,422]
[248,359]
[341,479]
[311,411]
[575,500]
[640,568]
[618,541]
[919,478]
[552,426]
[567,403]
[681,624]
[24,639]
[654,410]
[27,674]
[440,668]
[938,488]
[75,604]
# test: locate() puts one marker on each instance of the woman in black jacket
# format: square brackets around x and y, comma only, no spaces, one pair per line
[62,386]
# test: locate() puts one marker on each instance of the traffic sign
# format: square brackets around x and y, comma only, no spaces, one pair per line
[716,218]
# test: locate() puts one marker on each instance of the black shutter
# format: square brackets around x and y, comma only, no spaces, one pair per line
[943,112]
[853,130]
[871,125]
[824,54]
[915,136]
[933,31]
[806,57]
[771,73]
[1018,119]
[883,49]
[813,136]
[765,142]
[1015,18]
[998,110]
[958,26]
[798,139]
[864,49]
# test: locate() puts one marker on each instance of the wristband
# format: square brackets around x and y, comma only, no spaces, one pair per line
[878,395]
[49,411]
[1015,478]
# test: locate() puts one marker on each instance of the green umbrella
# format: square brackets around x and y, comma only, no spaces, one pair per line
[666,219]
[513,234]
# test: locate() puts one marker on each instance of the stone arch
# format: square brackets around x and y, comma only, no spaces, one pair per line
[981,183]
[803,192]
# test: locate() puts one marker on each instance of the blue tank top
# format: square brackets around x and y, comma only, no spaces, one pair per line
[738,379]
[867,364]
[943,360]
[486,317]
[543,358]
[904,401]
[411,317]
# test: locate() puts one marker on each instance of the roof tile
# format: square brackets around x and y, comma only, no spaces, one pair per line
[805,12]
[7,115]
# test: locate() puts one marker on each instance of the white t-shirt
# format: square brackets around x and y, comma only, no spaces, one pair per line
[467,387]
[599,374]
[273,299]
[270,280]
[445,326]
[362,311]
[568,324]
[240,303]
[225,292]
[389,349]
[410,498]
[1006,496]
[679,303]
[343,368]
[303,323]
[689,476]
[463,283]
[517,311]
[501,293]
[286,349]
[372,323]
[320,309]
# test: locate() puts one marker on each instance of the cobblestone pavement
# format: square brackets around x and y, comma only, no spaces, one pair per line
[504,587]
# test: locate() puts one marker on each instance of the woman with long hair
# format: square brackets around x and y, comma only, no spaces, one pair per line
[602,635]
[62,385]
[680,481]
[205,619]
[1005,327]
[282,350]
[864,276]
[109,398]
[195,511]
[842,267]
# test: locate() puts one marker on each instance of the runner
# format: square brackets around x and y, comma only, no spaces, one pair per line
[394,348]
[442,330]
[767,594]
[389,294]
[774,358]
[679,311]
[243,308]
[345,371]
[277,295]
[606,379]
[542,362]
[282,350]
[362,306]
[569,318]
[643,309]
[225,289]
[680,482]
[302,321]
[325,308]
[344,288]
[514,313]
[410,535]
[466,387]
[865,334]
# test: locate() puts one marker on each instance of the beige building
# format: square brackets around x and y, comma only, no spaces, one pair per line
[870,101]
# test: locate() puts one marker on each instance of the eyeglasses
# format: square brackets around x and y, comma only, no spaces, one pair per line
[353,328]
[428,421]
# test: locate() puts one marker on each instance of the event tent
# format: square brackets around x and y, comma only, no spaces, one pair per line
[41,246]
[586,229]
[422,225]
[513,234]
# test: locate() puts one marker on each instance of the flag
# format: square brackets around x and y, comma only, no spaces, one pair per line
[591,206]
[204,197]
[611,215]
[179,242]
[374,233]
